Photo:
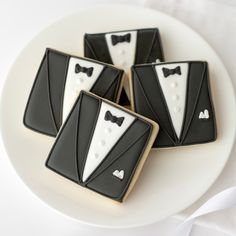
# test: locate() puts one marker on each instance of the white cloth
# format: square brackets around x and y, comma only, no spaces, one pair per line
[221,201]
[23,214]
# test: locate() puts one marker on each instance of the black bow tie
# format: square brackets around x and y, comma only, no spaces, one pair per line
[114,119]
[88,71]
[120,38]
[168,72]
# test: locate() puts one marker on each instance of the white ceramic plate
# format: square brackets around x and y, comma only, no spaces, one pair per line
[172,179]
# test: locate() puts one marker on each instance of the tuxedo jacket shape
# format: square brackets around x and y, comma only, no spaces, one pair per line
[180,102]
[144,47]
[96,152]
[58,82]
[148,46]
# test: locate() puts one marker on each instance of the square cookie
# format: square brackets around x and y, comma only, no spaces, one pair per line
[124,49]
[176,95]
[102,146]
[58,82]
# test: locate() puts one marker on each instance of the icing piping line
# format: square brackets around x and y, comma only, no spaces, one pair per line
[63,88]
[186,99]
[113,82]
[76,141]
[137,163]
[160,45]
[29,99]
[90,138]
[151,108]
[49,93]
[211,103]
[198,93]
[55,143]
[136,47]
[107,49]
[105,67]
[150,50]
[90,47]
[115,95]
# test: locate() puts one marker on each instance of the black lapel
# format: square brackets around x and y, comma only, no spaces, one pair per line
[57,71]
[95,47]
[87,119]
[63,155]
[132,135]
[153,99]
[108,83]
[196,74]
[42,119]
[156,51]
[148,47]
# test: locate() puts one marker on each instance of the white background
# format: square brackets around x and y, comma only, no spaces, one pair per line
[21,213]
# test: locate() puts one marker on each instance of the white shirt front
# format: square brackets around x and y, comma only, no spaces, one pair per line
[106,135]
[123,53]
[75,82]
[174,89]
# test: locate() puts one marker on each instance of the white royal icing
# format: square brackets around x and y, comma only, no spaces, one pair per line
[75,82]
[106,135]
[174,89]
[119,174]
[123,54]
[204,114]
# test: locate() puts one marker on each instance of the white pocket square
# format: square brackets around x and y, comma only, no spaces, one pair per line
[204,114]
[119,174]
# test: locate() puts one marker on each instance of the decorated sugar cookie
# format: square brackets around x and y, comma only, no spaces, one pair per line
[176,95]
[102,146]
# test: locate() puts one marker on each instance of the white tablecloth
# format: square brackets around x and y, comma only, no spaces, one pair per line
[21,213]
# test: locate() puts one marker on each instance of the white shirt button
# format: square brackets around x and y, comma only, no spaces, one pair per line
[177,109]
[175,97]
[174,84]
[79,80]
[108,130]
[102,143]
[121,52]
[96,155]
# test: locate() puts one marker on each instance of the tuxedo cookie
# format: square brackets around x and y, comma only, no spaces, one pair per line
[124,49]
[176,95]
[102,146]
[58,82]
